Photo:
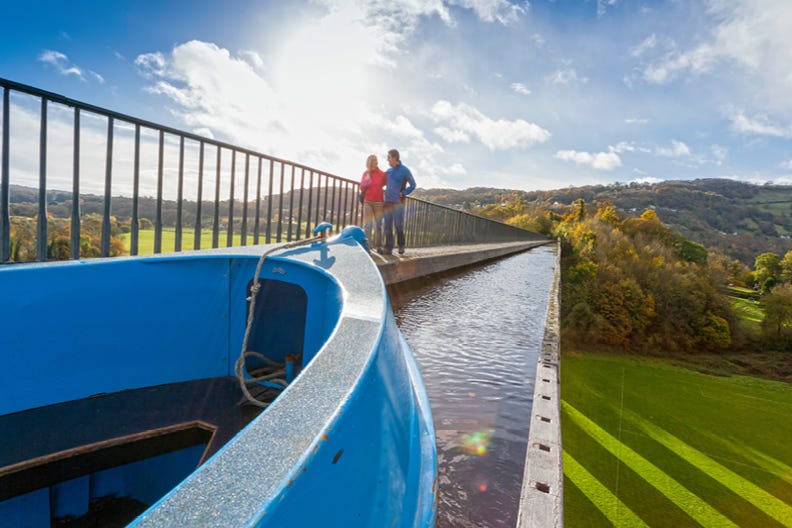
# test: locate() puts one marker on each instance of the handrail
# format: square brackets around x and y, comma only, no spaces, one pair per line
[272,192]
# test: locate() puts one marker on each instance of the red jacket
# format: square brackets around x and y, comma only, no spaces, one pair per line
[371,185]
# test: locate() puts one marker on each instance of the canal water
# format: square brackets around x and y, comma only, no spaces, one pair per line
[476,335]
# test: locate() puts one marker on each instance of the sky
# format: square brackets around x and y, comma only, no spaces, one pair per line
[528,95]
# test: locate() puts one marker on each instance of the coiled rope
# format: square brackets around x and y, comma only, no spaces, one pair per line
[239,366]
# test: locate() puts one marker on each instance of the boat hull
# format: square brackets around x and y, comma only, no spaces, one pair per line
[348,443]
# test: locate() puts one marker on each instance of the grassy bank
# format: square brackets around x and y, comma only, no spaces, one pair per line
[146,240]
[649,443]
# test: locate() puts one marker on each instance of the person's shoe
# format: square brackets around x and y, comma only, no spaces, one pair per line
[384,251]
[401,250]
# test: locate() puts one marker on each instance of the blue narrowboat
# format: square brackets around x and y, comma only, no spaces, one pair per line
[248,386]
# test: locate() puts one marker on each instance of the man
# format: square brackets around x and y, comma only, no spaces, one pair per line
[399,183]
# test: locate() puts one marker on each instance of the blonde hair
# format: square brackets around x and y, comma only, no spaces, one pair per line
[371,161]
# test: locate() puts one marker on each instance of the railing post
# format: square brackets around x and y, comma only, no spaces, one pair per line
[75,212]
[108,195]
[291,206]
[216,222]
[230,235]
[199,198]
[300,209]
[177,244]
[5,213]
[256,229]
[41,231]
[269,201]
[243,234]
[280,204]
[134,227]
[160,177]
[310,203]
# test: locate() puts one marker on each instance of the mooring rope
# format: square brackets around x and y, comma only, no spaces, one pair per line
[239,365]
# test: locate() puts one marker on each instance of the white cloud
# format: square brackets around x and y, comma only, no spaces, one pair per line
[646,180]
[677,149]
[566,76]
[393,21]
[623,146]
[598,160]
[151,64]
[452,136]
[500,11]
[455,169]
[520,88]
[636,121]
[463,121]
[758,125]
[696,61]
[603,5]
[719,154]
[628,146]
[787,165]
[402,128]
[751,34]
[648,43]
[219,92]
[761,179]
[61,63]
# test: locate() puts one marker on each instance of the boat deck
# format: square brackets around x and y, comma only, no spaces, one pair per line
[58,442]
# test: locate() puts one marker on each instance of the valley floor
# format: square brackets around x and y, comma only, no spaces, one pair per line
[648,442]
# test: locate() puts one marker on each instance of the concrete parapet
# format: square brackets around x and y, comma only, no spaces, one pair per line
[542,497]
[421,262]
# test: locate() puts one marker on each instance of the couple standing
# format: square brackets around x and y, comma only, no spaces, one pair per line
[388,205]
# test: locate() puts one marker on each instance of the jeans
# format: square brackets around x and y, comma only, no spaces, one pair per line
[394,217]
[372,222]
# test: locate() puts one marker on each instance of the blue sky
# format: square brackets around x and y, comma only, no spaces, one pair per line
[521,95]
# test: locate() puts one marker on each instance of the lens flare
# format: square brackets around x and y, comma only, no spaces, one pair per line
[476,443]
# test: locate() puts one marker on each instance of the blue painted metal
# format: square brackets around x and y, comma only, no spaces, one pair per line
[290,359]
[322,228]
[348,443]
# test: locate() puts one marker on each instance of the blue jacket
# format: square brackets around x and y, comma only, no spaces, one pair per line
[399,181]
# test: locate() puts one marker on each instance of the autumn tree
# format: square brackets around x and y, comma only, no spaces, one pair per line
[767,270]
[786,268]
[636,284]
[777,307]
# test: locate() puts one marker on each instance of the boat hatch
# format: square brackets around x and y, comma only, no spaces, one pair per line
[118,453]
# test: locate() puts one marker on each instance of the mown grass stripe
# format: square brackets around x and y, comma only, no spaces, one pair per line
[600,496]
[768,503]
[767,463]
[687,501]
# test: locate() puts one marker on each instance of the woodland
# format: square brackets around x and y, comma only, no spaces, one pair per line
[659,268]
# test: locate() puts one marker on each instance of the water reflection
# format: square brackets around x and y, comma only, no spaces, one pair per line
[477,336]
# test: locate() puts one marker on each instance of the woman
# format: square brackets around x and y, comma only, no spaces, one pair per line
[371,185]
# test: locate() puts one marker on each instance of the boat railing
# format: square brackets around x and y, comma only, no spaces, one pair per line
[78,181]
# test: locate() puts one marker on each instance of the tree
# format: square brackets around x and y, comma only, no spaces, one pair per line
[767,266]
[607,213]
[786,268]
[637,284]
[777,306]
[22,239]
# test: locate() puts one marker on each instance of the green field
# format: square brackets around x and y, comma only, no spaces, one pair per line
[650,444]
[747,310]
[146,240]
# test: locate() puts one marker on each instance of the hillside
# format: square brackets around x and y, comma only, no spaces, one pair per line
[738,219]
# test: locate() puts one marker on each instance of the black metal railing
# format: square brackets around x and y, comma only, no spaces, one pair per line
[427,224]
[139,187]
